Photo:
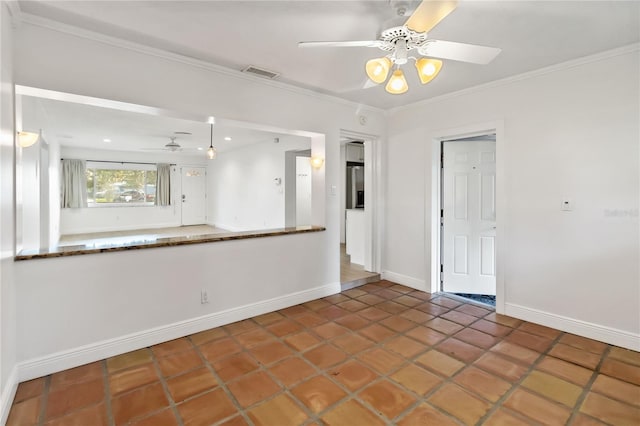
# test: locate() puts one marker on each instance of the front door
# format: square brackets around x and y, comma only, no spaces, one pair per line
[193,195]
[469,217]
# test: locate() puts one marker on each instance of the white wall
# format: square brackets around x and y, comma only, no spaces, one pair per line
[343,191]
[102,219]
[8,315]
[241,183]
[303,191]
[29,201]
[570,132]
[110,295]
[54,193]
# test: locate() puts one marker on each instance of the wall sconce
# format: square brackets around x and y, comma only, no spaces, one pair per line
[26,139]
[317,162]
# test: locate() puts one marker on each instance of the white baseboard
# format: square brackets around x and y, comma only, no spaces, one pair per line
[8,394]
[605,334]
[406,280]
[94,229]
[59,361]
[230,228]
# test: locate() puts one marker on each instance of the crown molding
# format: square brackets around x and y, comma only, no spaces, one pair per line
[14,10]
[607,54]
[39,21]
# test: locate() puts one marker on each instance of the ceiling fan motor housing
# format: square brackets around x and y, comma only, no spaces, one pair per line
[391,36]
[173,145]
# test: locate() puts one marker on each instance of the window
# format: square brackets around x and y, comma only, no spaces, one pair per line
[120,184]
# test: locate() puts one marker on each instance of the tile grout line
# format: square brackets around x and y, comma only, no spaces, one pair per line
[165,387]
[586,389]
[498,403]
[221,383]
[107,392]
[353,357]
[45,400]
[312,416]
[299,354]
[411,360]
[444,381]
[518,384]
[407,360]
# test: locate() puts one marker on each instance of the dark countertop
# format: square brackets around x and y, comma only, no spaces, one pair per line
[160,242]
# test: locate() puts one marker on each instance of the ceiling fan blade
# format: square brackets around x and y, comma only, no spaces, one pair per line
[365,84]
[368,43]
[369,84]
[429,13]
[459,51]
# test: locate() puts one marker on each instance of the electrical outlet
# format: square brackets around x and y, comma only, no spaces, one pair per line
[204,297]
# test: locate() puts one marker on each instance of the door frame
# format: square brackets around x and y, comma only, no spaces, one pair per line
[290,208]
[434,203]
[374,197]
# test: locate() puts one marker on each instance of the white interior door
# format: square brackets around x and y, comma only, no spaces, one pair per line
[193,195]
[469,217]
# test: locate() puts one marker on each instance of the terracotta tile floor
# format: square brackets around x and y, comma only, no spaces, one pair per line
[380,354]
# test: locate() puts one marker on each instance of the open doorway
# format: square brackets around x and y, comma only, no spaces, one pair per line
[356,230]
[468,217]
[297,188]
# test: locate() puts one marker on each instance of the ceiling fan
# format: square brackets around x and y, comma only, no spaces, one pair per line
[172,146]
[410,41]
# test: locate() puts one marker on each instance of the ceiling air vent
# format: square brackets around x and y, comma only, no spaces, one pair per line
[260,72]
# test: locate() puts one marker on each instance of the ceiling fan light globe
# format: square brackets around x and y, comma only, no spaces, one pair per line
[397,84]
[428,69]
[378,69]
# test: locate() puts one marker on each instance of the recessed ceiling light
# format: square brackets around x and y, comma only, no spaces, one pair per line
[200,148]
[106,140]
[227,138]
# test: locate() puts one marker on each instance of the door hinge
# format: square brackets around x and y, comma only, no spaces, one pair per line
[441,269]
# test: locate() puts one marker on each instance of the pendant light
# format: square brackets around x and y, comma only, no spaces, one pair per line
[211,152]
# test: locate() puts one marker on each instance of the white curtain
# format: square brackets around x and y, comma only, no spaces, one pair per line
[163,185]
[74,184]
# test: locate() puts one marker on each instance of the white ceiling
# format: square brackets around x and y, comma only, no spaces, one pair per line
[86,126]
[235,34]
